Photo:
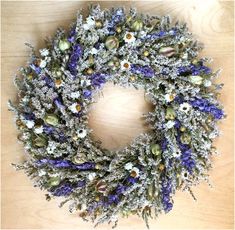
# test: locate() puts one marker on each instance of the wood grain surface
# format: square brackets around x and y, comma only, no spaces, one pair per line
[115,118]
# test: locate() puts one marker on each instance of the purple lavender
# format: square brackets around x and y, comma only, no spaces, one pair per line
[49,82]
[29,116]
[164,144]
[194,69]
[36,68]
[204,106]
[166,194]
[121,189]
[67,188]
[48,129]
[61,137]
[81,184]
[113,198]
[160,34]
[87,93]
[98,79]
[65,164]
[59,104]
[187,161]
[72,33]
[75,56]
[146,71]
[179,99]
[63,190]
[132,180]
[177,124]
[117,18]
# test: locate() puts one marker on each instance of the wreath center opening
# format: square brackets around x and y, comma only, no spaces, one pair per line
[116,118]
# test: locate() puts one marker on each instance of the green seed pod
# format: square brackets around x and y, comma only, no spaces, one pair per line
[148,27]
[185,138]
[151,191]
[39,141]
[170,113]
[167,51]
[78,160]
[51,119]
[110,63]
[112,43]
[156,149]
[64,45]
[101,187]
[137,25]
[91,60]
[54,181]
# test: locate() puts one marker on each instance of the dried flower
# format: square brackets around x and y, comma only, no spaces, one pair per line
[185,107]
[129,37]
[167,51]
[156,149]
[112,43]
[125,65]
[75,107]
[81,133]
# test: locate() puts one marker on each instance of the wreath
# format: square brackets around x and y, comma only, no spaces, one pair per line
[59,84]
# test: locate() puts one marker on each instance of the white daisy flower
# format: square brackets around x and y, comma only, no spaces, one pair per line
[185,107]
[177,154]
[90,22]
[129,37]
[136,171]
[125,65]
[44,52]
[128,166]
[91,176]
[170,124]
[51,147]
[29,123]
[81,133]
[38,130]
[75,108]
[42,64]
[169,97]
[75,95]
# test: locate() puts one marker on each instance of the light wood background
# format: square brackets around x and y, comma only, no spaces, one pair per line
[116,117]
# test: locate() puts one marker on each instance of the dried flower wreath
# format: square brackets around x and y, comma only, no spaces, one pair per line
[58,86]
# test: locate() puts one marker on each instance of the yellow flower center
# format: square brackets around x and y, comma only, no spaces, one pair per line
[128,36]
[78,107]
[132,78]
[171,97]
[161,167]
[126,65]
[133,174]
[58,82]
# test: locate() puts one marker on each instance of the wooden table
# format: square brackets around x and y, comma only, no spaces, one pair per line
[25,207]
